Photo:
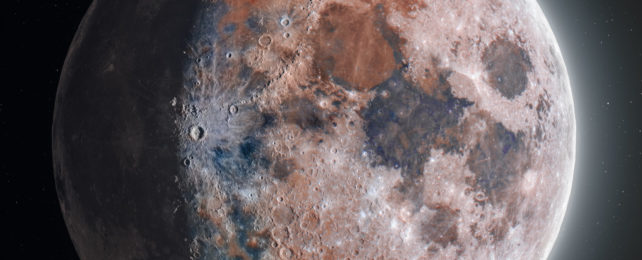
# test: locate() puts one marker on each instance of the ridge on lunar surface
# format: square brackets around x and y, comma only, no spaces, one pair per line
[326,129]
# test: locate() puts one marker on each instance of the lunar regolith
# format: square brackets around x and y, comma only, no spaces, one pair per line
[366,129]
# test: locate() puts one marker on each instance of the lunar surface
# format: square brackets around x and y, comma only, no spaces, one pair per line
[370,129]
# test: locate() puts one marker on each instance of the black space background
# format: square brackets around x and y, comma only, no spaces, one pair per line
[601,42]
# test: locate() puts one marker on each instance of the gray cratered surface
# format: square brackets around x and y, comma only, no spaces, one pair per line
[115,146]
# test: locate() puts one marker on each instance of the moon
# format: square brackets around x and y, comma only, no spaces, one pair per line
[325,129]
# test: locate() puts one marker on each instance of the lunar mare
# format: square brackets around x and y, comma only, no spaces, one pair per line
[314,130]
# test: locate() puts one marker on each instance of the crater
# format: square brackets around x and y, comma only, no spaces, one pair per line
[197,133]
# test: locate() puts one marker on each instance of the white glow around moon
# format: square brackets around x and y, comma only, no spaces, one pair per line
[571,172]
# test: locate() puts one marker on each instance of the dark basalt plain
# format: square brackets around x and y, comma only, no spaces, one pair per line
[507,65]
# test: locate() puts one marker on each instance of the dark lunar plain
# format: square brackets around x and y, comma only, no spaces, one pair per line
[601,42]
